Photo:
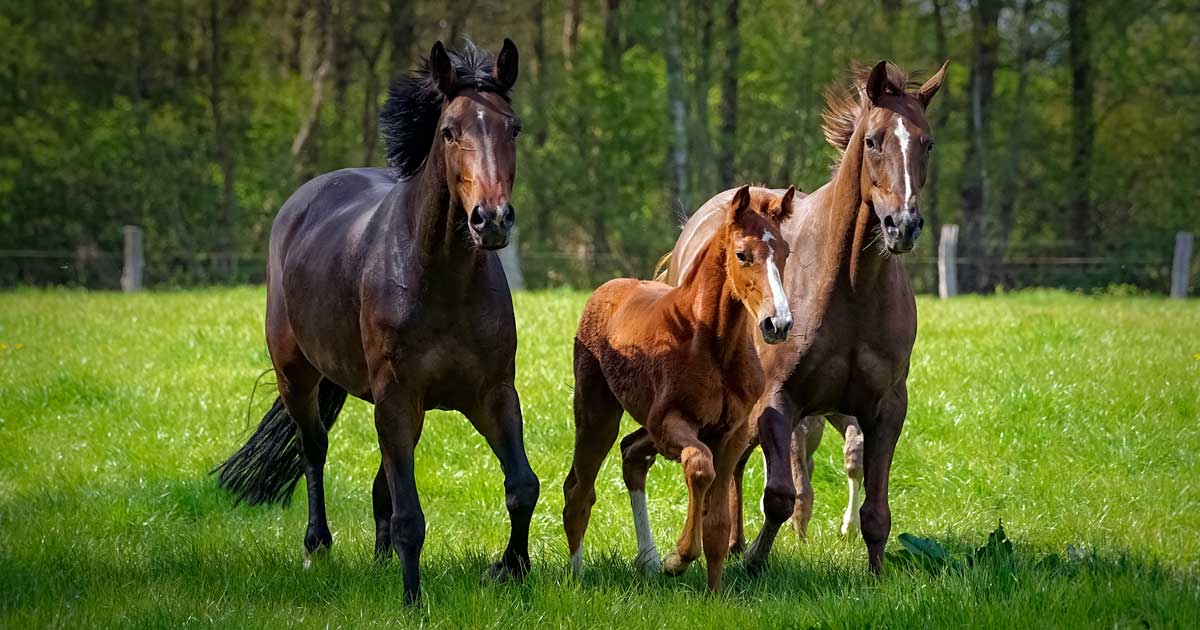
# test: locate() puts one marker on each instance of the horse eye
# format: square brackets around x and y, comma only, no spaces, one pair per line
[929,146]
[742,257]
[871,143]
[448,133]
[516,131]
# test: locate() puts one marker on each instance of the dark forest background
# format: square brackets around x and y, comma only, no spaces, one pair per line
[1067,129]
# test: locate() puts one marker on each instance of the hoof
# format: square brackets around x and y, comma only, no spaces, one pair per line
[317,556]
[647,561]
[675,565]
[753,561]
[502,572]
[850,530]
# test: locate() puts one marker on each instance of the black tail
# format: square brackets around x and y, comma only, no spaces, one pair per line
[268,467]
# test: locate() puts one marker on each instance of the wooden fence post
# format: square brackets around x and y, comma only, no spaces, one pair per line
[131,276]
[1182,265]
[511,263]
[948,262]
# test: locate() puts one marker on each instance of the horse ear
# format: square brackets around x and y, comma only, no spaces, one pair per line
[441,69]
[782,211]
[877,82]
[506,64]
[932,85]
[739,204]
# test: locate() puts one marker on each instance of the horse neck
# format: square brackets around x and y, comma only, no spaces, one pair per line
[851,259]
[708,296]
[433,219]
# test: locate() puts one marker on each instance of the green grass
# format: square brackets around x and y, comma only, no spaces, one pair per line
[1076,420]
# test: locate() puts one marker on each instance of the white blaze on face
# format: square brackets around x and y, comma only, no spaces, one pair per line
[781,304]
[904,137]
[487,156]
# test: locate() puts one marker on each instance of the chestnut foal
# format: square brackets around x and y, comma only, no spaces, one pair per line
[681,360]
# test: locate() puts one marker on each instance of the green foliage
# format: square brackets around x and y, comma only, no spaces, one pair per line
[110,119]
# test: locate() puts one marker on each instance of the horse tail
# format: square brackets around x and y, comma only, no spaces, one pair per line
[662,267]
[268,467]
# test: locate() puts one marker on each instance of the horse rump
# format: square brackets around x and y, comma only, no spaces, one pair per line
[268,467]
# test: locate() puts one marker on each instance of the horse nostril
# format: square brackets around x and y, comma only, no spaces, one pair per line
[920,223]
[889,222]
[508,216]
[477,219]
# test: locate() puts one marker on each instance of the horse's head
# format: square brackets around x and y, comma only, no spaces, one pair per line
[479,131]
[896,143]
[755,253]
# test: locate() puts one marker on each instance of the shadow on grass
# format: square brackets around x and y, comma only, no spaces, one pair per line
[203,555]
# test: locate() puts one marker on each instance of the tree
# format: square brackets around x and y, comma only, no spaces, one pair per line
[676,105]
[729,98]
[1083,125]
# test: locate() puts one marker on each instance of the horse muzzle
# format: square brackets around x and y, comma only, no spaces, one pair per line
[490,226]
[775,329]
[901,230]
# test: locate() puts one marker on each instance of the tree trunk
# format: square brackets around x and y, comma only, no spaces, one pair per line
[612,38]
[726,170]
[296,32]
[1016,133]
[225,160]
[941,118]
[676,105]
[571,33]
[1083,125]
[401,32]
[306,144]
[701,141]
[974,186]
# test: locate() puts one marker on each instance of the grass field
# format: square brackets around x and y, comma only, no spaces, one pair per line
[1076,420]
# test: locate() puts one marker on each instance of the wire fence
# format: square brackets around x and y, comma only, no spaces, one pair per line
[1036,266]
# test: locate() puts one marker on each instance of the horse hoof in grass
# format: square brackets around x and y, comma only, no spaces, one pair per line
[504,572]
[648,562]
[753,562]
[320,555]
[675,565]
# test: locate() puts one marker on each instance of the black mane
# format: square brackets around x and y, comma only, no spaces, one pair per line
[408,119]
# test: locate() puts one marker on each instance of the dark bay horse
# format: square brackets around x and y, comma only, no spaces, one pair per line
[381,284]
[682,362]
[850,295]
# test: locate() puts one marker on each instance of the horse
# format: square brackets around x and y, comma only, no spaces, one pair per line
[384,284]
[806,437]
[681,361]
[851,295]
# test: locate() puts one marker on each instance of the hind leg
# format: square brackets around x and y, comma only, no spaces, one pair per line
[852,454]
[637,456]
[806,437]
[298,389]
[737,529]
[381,504]
[597,420]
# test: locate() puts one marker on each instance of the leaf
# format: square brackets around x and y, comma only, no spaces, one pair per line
[998,547]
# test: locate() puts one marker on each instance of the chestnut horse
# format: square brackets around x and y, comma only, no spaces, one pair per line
[850,294]
[682,362]
[381,284]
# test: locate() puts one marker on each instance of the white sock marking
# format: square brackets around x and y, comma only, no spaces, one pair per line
[903,135]
[647,553]
[577,559]
[850,520]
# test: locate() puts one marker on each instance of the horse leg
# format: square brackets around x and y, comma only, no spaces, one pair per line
[779,495]
[717,521]
[499,420]
[381,504]
[852,457]
[398,421]
[298,388]
[678,440]
[597,420]
[637,456]
[879,440]
[805,440]
[737,530]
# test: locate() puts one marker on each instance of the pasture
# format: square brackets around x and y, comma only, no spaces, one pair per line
[1074,419]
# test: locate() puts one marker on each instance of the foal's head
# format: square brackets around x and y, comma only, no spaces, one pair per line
[755,253]
[896,142]
[461,100]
